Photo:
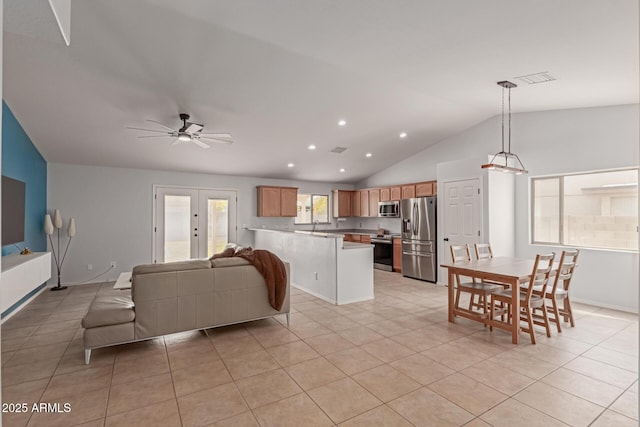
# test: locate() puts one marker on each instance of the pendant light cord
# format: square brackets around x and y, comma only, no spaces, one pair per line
[503,119]
[509,121]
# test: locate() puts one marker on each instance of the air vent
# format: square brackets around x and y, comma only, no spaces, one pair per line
[339,150]
[532,79]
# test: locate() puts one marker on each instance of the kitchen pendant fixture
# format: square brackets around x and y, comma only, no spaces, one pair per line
[506,161]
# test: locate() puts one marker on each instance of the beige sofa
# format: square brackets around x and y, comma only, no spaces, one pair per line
[177,297]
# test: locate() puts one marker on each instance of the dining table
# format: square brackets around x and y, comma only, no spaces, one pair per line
[503,270]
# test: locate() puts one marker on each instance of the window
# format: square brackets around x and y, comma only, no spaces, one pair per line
[312,208]
[596,210]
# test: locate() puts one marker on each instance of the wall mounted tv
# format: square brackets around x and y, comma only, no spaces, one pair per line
[13,209]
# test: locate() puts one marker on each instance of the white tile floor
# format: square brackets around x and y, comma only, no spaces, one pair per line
[394,361]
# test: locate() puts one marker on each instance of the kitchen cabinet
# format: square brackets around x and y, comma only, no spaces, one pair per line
[365,239]
[395,193]
[277,201]
[374,198]
[408,191]
[424,189]
[355,203]
[385,194]
[364,202]
[397,254]
[342,203]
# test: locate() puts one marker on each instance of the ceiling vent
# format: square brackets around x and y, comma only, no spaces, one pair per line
[339,150]
[532,79]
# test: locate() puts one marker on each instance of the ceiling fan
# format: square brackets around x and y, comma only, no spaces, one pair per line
[189,132]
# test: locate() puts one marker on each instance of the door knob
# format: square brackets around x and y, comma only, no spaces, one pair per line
[446,239]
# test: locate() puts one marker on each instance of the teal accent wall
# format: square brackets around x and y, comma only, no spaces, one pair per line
[21,160]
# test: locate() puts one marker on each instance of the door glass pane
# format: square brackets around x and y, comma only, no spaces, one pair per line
[546,215]
[217,225]
[177,222]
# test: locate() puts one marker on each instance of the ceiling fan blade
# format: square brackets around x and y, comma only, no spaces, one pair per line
[200,143]
[161,124]
[193,127]
[148,130]
[226,136]
[155,136]
[217,140]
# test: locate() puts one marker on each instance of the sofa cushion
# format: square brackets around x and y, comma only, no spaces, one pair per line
[109,310]
[193,264]
[228,262]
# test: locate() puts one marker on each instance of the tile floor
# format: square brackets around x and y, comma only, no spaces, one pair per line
[394,361]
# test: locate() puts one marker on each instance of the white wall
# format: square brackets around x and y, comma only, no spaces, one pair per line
[550,142]
[113,209]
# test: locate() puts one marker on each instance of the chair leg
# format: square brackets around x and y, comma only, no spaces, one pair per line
[545,318]
[556,314]
[567,307]
[457,298]
[529,314]
[491,302]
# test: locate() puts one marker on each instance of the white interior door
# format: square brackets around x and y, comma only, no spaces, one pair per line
[192,223]
[461,214]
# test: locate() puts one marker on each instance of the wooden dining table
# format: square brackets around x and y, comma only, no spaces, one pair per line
[512,271]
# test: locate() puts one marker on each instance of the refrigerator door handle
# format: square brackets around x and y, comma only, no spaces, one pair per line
[418,254]
[416,218]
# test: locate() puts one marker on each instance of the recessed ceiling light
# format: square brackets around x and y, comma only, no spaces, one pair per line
[403,134]
[368,155]
[342,170]
[290,165]
[342,123]
[311,147]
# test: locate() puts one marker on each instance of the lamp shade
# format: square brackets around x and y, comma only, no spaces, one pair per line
[48,225]
[71,230]
[57,218]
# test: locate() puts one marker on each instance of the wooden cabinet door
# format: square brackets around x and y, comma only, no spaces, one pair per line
[355,203]
[268,201]
[408,191]
[374,198]
[364,202]
[396,193]
[341,203]
[397,254]
[385,194]
[289,201]
[424,189]
[355,238]
[365,239]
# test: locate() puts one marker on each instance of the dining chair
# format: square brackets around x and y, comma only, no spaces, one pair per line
[473,287]
[483,250]
[532,297]
[560,290]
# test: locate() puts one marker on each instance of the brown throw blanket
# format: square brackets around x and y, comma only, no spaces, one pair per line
[269,266]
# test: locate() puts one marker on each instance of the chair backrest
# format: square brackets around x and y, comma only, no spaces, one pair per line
[540,275]
[566,266]
[483,250]
[460,253]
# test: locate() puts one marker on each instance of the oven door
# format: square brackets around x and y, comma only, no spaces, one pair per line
[382,254]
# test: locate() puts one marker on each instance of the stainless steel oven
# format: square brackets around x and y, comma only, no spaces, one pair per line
[382,253]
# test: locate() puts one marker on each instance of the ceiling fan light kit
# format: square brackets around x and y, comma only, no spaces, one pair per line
[189,132]
[506,161]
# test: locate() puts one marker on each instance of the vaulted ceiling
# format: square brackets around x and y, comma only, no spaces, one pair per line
[278,75]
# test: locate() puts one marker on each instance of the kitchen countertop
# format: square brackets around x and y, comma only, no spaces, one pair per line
[325,233]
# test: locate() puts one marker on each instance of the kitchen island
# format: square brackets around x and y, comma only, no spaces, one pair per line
[323,264]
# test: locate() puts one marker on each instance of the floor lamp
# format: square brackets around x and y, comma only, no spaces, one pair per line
[49,226]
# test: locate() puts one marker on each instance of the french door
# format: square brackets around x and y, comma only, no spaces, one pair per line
[192,222]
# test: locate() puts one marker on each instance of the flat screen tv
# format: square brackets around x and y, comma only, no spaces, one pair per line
[13,208]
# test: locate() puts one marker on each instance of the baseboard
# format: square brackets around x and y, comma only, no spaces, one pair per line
[315,294]
[601,305]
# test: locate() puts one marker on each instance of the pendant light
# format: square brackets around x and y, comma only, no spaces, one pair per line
[506,161]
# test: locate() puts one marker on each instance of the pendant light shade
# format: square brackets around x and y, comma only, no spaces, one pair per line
[48,225]
[71,230]
[506,161]
[57,218]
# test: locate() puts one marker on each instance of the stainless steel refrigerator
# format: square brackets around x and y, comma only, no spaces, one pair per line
[419,258]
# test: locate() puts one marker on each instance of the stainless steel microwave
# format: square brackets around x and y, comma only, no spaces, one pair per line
[389,209]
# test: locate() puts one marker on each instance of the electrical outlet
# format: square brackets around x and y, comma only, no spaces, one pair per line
[113,264]
[89,267]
